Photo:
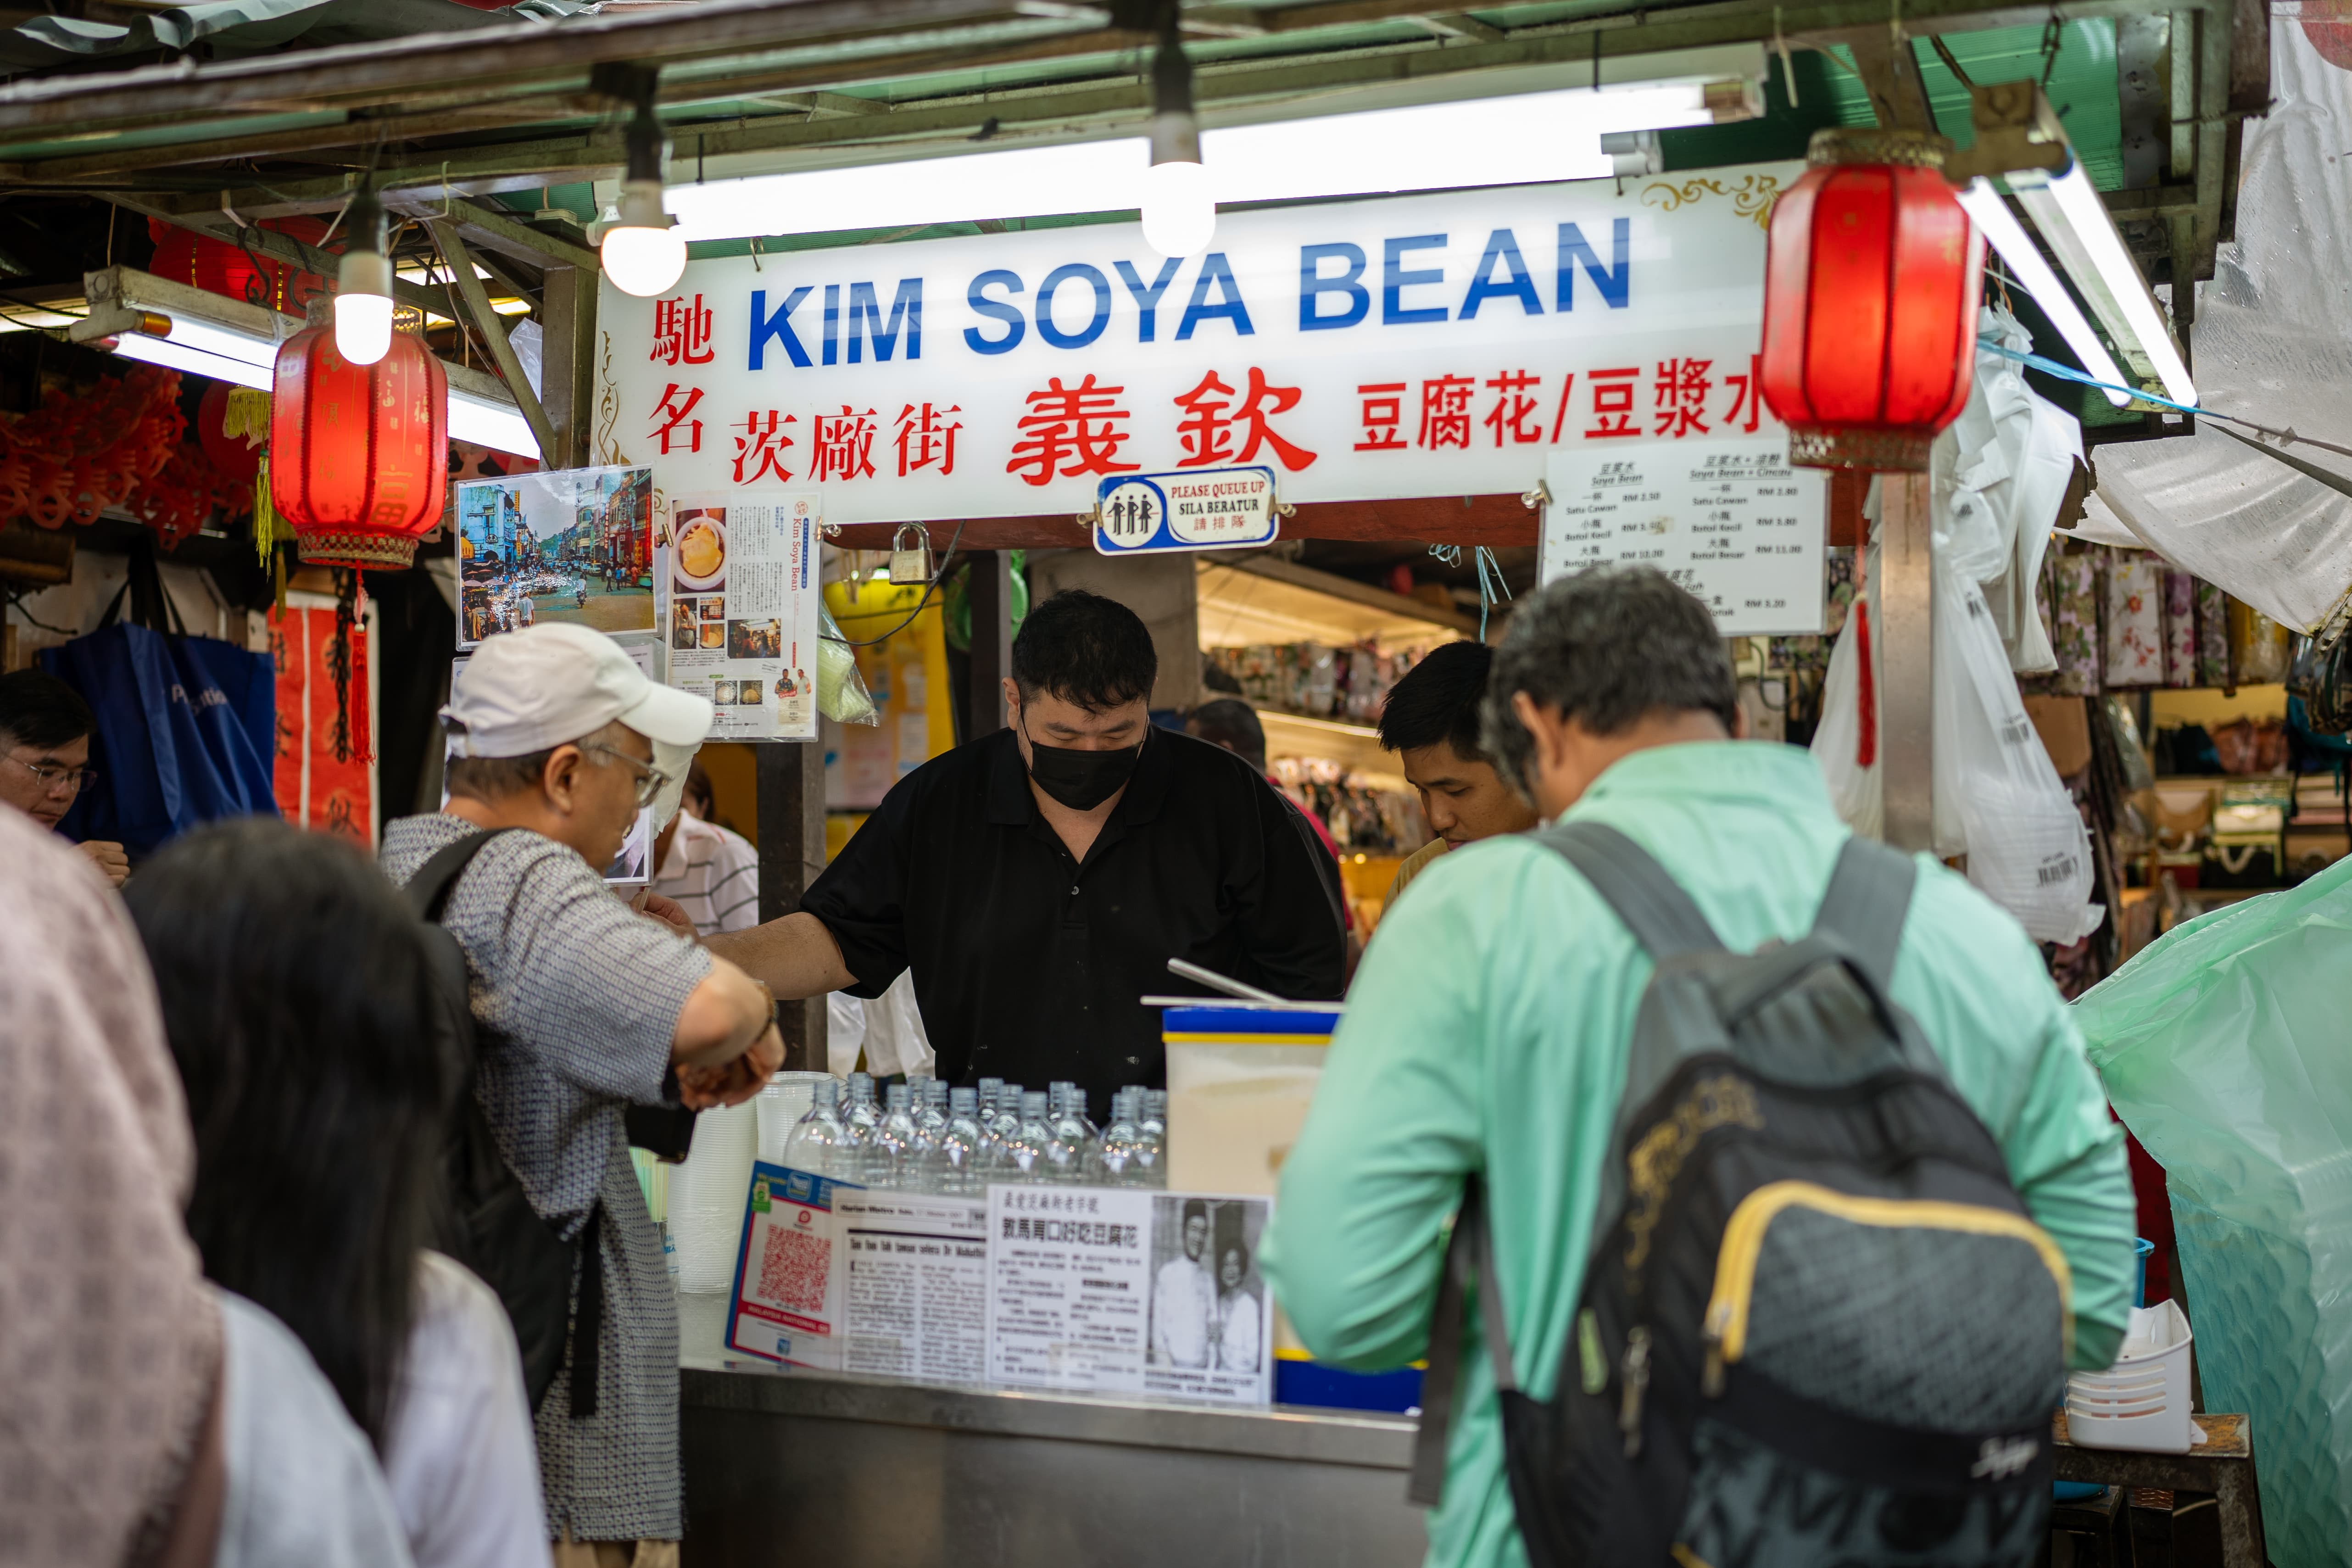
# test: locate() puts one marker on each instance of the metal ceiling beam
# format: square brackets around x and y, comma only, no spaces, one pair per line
[216,225]
[493,330]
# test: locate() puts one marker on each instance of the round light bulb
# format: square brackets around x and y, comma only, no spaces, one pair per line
[642,261]
[1180,214]
[363,327]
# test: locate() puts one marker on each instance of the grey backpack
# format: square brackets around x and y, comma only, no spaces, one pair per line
[1817,1326]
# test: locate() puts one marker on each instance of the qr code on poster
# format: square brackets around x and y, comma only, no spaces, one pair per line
[793,1270]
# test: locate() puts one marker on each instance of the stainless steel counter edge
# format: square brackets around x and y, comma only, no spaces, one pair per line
[1283,1432]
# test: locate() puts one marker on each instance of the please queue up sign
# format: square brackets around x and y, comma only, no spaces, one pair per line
[1207,509]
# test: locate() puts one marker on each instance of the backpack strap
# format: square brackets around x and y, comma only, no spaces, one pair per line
[1868,899]
[1469,1257]
[1652,905]
[428,890]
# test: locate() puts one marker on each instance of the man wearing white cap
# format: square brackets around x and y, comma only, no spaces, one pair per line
[585,1007]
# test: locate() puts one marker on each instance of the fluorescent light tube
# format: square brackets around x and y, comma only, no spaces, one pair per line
[2075,222]
[482,423]
[224,342]
[2009,240]
[1524,138]
[177,355]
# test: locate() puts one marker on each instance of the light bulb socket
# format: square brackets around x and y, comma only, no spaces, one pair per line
[641,205]
[1175,128]
[648,146]
[365,272]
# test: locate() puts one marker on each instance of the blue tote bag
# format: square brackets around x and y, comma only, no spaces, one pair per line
[187,726]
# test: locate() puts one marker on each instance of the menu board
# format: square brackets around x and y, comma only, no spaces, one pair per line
[1730,521]
[739,610]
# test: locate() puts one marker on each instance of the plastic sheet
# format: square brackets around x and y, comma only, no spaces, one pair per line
[840,694]
[2274,344]
[2221,1046]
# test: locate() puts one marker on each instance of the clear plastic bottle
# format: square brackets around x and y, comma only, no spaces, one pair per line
[1066,1147]
[997,1158]
[953,1162]
[1114,1162]
[894,1157]
[933,1117]
[990,1088]
[859,1118]
[819,1142]
[1152,1158]
[1025,1147]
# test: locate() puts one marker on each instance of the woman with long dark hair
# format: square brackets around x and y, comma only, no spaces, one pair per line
[298,1005]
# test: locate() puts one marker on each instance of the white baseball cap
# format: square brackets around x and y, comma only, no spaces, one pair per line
[537,688]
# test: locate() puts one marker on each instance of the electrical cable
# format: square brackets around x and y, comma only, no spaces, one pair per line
[16,603]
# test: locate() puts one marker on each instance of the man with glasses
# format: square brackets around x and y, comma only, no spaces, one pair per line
[44,730]
[582,1008]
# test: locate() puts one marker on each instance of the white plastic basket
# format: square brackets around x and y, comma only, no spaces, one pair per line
[2141,1402]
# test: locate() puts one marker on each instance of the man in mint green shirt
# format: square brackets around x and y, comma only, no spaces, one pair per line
[1492,1039]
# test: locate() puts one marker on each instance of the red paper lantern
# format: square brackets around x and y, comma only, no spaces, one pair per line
[219,267]
[358,455]
[1871,279]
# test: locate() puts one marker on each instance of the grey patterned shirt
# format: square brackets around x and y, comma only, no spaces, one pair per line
[586,995]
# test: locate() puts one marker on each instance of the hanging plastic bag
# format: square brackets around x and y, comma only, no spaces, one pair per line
[1995,789]
[2221,1046]
[840,694]
[1845,743]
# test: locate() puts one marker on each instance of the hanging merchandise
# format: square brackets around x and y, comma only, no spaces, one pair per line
[2212,635]
[1997,795]
[840,694]
[2017,454]
[1871,278]
[359,454]
[2258,647]
[2179,629]
[316,788]
[185,724]
[1846,743]
[2135,619]
[2221,1047]
[84,451]
[2069,597]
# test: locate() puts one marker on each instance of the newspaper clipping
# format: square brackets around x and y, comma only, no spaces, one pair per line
[739,610]
[917,1287]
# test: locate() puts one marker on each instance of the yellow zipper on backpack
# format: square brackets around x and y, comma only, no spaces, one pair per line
[1724,1331]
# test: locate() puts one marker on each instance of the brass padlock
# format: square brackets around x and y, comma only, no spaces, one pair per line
[910,566]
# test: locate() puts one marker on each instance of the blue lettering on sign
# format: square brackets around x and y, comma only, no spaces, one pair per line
[1312,282]
[1395,279]
[1074,272]
[1215,268]
[832,323]
[1501,246]
[866,319]
[780,325]
[1146,300]
[996,309]
[1614,282]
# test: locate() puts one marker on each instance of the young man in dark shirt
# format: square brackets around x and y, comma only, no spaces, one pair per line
[1038,879]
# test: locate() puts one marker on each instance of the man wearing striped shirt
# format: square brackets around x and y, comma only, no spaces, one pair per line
[711,872]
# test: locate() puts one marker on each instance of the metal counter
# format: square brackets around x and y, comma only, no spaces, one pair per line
[788,1467]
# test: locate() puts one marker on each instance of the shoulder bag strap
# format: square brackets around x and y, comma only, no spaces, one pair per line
[428,890]
[1469,1259]
[1654,907]
[1868,899]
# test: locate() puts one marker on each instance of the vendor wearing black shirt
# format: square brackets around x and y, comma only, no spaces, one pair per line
[1038,879]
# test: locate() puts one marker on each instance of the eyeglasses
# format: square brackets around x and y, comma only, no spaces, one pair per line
[55,776]
[651,779]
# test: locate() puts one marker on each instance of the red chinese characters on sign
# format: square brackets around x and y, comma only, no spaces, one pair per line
[1384,411]
[681,331]
[673,418]
[760,449]
[1069,431]
[1682,387]
[1445,411]
[927,435]
[1206,430]
[1612,402]
[842,446]
[1513,406]
[1748,397]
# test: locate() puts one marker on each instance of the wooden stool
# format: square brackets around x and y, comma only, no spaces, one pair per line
[2222,1466]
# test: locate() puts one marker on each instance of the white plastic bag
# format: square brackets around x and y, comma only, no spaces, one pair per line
[1849,765]
[1995,789]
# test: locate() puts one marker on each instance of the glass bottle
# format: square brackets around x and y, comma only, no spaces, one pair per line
[1024,1148]
[954,1159]
[819,1142]
[1114,1162]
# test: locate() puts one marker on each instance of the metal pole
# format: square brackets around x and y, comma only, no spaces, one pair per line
[991,640]
[1907,643]
[792,854]
[567,382]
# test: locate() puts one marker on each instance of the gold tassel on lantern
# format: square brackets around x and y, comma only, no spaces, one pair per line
[265,516]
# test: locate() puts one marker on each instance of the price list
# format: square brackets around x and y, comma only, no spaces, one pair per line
[1730,521]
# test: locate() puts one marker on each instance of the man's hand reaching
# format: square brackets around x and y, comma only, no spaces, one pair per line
[699,1088]
[654,906]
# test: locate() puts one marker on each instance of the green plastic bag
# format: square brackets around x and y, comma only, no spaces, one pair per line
[2226,1048]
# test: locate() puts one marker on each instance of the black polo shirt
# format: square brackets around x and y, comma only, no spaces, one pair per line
[1028,964]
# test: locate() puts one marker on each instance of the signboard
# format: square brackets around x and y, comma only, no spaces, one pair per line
[1427,346]
[1209,509]
[1730,521]
[737,575]
[788,1278]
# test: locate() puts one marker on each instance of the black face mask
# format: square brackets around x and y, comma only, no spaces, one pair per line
[1080,779]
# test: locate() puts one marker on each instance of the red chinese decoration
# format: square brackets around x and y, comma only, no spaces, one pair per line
[1871,278]
[358,455]
[219,267]
[78,454]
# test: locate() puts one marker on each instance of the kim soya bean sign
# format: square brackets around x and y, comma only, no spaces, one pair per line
[1429,345]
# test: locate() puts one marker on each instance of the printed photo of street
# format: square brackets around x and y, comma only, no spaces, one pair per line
[568,546]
